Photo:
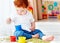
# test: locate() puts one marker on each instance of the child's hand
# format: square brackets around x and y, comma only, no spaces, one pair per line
[35,36]
[32,28]
[8,20]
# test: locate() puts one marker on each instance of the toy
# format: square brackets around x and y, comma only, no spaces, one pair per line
[42,10]
[44,16]
[50,7]
[18,27]
[55,4]
[58,17]
[12,38]
[21,39]
[50,14]
[30,9]
[43,6]
[57,12]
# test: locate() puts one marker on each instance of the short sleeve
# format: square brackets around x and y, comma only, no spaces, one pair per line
[31,17]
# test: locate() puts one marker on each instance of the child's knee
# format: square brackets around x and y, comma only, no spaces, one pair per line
[18,33]
[41,35]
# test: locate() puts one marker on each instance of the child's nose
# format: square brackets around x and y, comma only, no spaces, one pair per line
[22,11]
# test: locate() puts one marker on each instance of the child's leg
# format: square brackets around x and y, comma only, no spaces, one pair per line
[22,33]
[42,36]
[38,32]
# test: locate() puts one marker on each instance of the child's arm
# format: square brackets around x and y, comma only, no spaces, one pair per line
[32,26]
[8,20]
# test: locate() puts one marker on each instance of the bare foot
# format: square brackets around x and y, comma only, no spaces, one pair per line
[48,38]
[35,36]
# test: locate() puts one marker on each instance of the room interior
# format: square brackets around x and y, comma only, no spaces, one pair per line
[47,27]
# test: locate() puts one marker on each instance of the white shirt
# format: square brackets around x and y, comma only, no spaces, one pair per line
[24,20]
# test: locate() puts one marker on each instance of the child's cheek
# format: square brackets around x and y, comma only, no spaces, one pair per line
[18,12]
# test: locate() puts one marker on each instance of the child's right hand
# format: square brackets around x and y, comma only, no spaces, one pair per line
[8,20]
[35,36]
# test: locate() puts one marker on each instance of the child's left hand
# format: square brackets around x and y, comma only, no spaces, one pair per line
[32,28]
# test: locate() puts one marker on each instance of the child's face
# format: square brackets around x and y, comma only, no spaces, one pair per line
[21,10]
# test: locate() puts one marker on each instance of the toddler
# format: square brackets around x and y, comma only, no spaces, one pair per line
[25,24]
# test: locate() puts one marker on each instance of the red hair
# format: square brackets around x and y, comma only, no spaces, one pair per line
[21,3]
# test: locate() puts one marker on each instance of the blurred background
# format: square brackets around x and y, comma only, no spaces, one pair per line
[45,12]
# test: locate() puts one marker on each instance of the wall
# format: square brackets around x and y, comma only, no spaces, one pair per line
[6,10]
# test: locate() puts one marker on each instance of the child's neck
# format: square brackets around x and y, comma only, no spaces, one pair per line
[23,13]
